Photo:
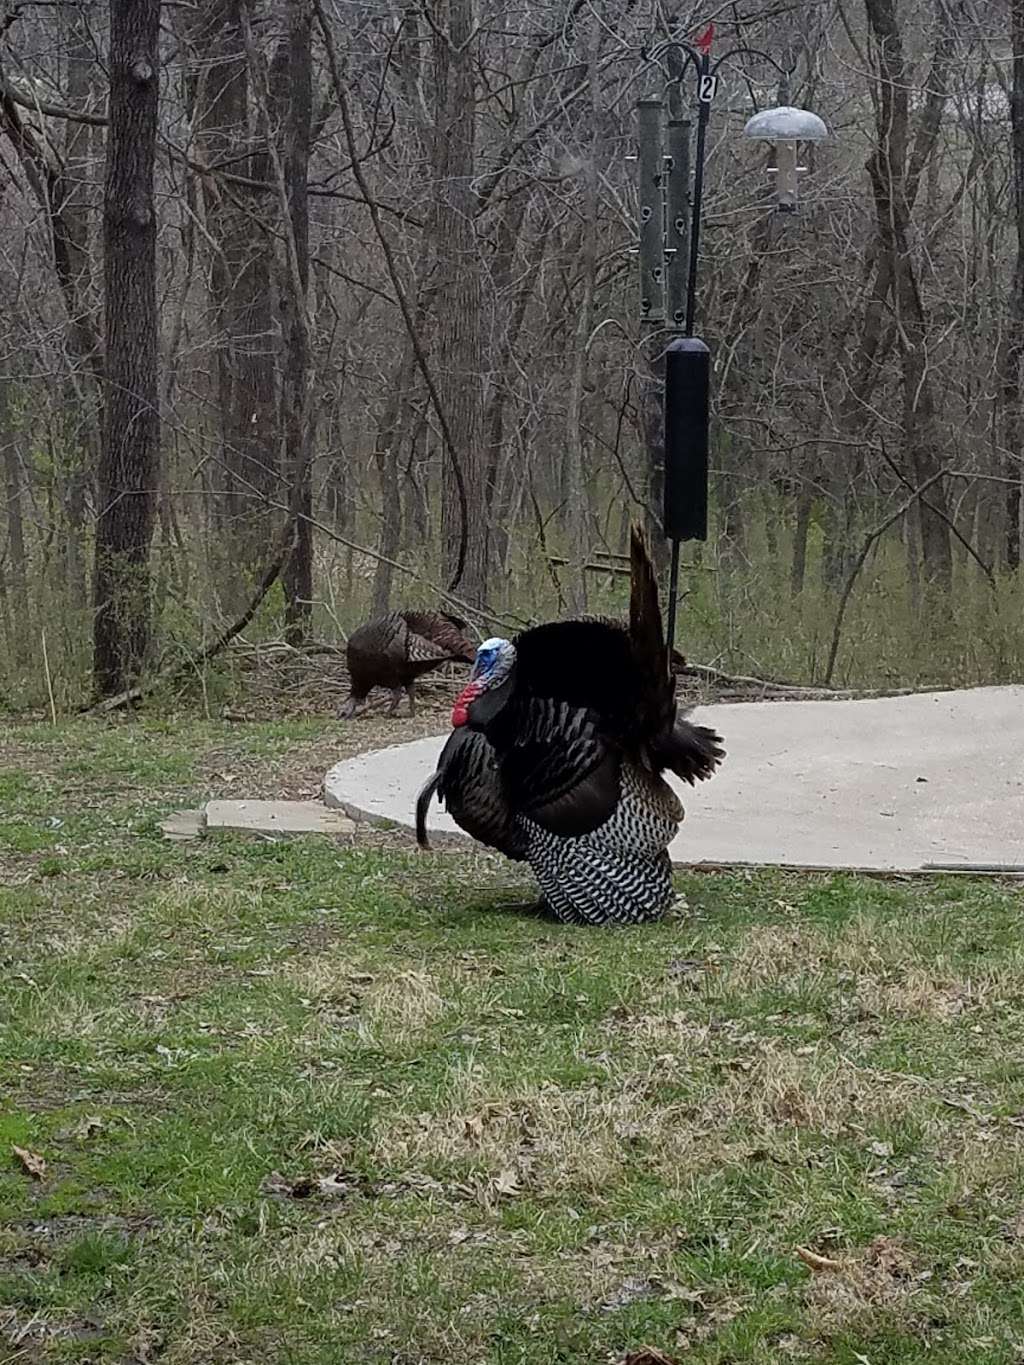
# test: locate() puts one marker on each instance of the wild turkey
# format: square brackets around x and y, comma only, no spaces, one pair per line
[394,650]
[556,756]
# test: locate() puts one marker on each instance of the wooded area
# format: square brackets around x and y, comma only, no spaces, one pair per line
[312,309]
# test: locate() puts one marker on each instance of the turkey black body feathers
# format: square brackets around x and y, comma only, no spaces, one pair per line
[567,731]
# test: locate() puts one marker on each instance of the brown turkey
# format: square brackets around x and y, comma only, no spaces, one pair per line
[393,651]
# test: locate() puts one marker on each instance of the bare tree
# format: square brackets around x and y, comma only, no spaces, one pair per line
[130,453]
[295,74]
[895,169]
[14,483]
[235,216]
[1011,354]
[458,287]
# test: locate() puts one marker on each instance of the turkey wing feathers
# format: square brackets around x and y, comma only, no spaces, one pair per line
[558,768]
[444,632]
[383,636]
[467,781]
[420,650]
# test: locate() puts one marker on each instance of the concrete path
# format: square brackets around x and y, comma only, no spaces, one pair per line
[898,783]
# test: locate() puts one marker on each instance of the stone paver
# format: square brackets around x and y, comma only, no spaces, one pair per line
[276,817]
[184,824]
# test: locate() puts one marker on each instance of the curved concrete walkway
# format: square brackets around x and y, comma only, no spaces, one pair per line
[896,783]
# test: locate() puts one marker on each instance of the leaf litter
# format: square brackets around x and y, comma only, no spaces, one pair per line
[31,1162]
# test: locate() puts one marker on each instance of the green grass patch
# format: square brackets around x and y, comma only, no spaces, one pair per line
[300,1102]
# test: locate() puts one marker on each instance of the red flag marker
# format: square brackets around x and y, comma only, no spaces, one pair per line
[703,43]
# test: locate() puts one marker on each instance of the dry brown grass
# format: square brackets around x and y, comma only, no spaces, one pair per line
[780,1090]
[71,1018]
[547,1138]
[882,1278]
[326,977]
[398,1009]
[923,992]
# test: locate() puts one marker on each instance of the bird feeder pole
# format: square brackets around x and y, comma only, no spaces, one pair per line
[706,87]
[687,359]
[686,403]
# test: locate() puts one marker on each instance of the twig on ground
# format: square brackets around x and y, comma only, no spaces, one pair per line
[49,680]
[813,1261]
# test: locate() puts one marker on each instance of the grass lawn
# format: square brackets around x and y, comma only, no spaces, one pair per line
[302,1102]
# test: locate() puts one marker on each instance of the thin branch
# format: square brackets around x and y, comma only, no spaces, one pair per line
[396,284]
[985,568]
[51,110]
[861,559]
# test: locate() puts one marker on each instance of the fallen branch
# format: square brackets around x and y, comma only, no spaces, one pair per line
[782,690]
[270,577]
[621,569]
[268,580]
[299,653]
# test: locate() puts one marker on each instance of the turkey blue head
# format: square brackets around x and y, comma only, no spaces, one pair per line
[491,668]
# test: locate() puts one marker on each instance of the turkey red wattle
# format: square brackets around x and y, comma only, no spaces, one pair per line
[465,699]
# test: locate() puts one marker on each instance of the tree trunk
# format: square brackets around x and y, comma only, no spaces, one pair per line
[1011,351]
[577,501]
[385,454]
[242,297]
[130,453]
[296,71]
[57,184]
[895,169]
[798,566]
[16,555]
[500,476]
[72,219]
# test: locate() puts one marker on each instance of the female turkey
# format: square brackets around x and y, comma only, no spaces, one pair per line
[556,758]
[394,650]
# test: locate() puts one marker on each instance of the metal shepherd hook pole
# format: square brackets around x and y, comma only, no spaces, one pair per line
[687,371]
[687,360]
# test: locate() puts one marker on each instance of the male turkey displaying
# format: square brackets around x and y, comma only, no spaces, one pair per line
[557,753]
[394,650]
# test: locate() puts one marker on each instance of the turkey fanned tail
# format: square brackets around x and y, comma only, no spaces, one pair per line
[645,628]
[692,752]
